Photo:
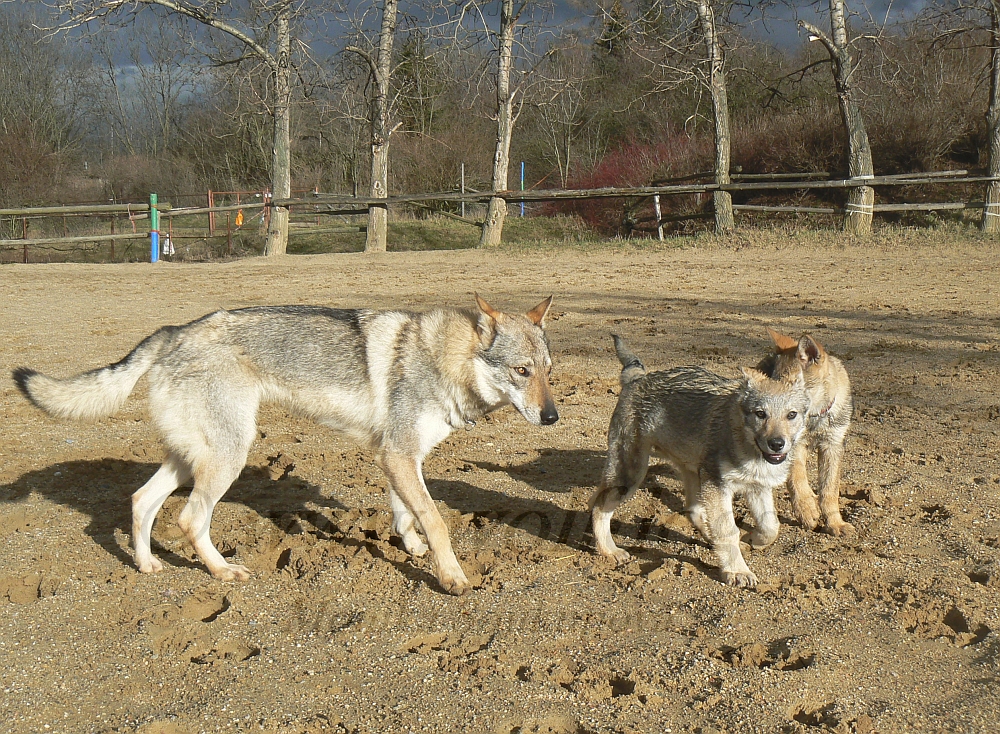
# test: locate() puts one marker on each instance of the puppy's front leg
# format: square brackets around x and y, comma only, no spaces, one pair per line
[404,474]
[830,454]
[725,536]
[803,500]
[765,519]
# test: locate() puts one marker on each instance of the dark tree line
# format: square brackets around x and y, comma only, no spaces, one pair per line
[111,99]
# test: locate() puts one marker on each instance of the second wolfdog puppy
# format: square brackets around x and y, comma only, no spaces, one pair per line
[725,438]
[830,410]
[400,382]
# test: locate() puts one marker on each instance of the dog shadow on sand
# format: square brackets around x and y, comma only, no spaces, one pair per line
[559,472]
[101,490]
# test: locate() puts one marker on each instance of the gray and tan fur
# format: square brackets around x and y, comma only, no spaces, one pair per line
[397,381]
[725,437]
[830,411]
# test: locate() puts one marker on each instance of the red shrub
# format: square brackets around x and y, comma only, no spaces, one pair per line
[636,164]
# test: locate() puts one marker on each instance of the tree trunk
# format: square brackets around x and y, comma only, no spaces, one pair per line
[497,212]
[723,200]
[991,212]
[861,200]
[281,157]
[378,214]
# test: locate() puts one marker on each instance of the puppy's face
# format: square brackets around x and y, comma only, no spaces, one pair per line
[806,355]
[774,413]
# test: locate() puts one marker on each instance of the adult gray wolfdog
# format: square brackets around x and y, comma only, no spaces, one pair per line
[725,438]
[396,381]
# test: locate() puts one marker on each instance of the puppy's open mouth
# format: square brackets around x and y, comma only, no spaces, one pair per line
[773,458]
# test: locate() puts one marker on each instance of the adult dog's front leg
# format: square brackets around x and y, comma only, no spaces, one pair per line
[405,477]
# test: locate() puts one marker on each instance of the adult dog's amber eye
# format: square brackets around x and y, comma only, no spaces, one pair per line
[762,414]
[522,371]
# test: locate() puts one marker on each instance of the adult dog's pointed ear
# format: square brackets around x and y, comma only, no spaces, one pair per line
[810,351]
[486,325]
[538,313]
[781,342]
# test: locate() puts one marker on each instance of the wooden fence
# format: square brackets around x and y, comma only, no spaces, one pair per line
[328,204]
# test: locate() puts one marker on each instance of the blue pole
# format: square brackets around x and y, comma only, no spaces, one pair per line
[522,186]
[154,230]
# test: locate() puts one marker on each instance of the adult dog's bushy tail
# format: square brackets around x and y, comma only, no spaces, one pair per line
[95,394]
[632,366]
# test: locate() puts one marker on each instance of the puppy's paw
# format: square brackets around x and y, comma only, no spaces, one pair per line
[618,555]
[807,513]
[839,528]
[762,539]
[231,572]
[739,579]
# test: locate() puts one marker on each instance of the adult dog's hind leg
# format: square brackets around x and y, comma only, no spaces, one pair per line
[404,474]
[211,480]
[217,440]
[146,502]
[403,523]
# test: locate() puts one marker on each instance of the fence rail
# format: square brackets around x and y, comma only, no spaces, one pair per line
[329,204]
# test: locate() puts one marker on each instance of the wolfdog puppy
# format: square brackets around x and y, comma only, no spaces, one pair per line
[830,409]
[397,381]
[725,437]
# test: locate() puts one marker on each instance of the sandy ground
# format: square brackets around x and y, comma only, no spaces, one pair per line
[340,630]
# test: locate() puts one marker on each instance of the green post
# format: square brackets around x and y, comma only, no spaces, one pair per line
[154,230]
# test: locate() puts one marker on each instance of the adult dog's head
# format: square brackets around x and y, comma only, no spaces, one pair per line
[515,352]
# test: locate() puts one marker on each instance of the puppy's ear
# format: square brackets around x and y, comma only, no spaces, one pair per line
[538,313]
[486,325]
[752,376]
[810,351]
[781,342]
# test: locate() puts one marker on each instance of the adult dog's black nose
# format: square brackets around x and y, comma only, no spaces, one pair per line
[549,416]
[776,444]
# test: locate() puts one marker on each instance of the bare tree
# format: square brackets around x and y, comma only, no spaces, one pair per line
[41,108]
[509,35]
[861,200]
[141,99]
[496,212]
[265,35]
[380,65]
[977,22]
[681,43]
[991,210]
[723,200]
[561,104]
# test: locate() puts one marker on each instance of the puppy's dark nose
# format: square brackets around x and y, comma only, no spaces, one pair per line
[549,416]
[776,444]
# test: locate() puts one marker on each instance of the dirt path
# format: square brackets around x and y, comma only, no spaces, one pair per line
[339,630]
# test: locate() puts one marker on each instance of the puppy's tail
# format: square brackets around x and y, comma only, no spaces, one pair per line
[632,366]
[95,394]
